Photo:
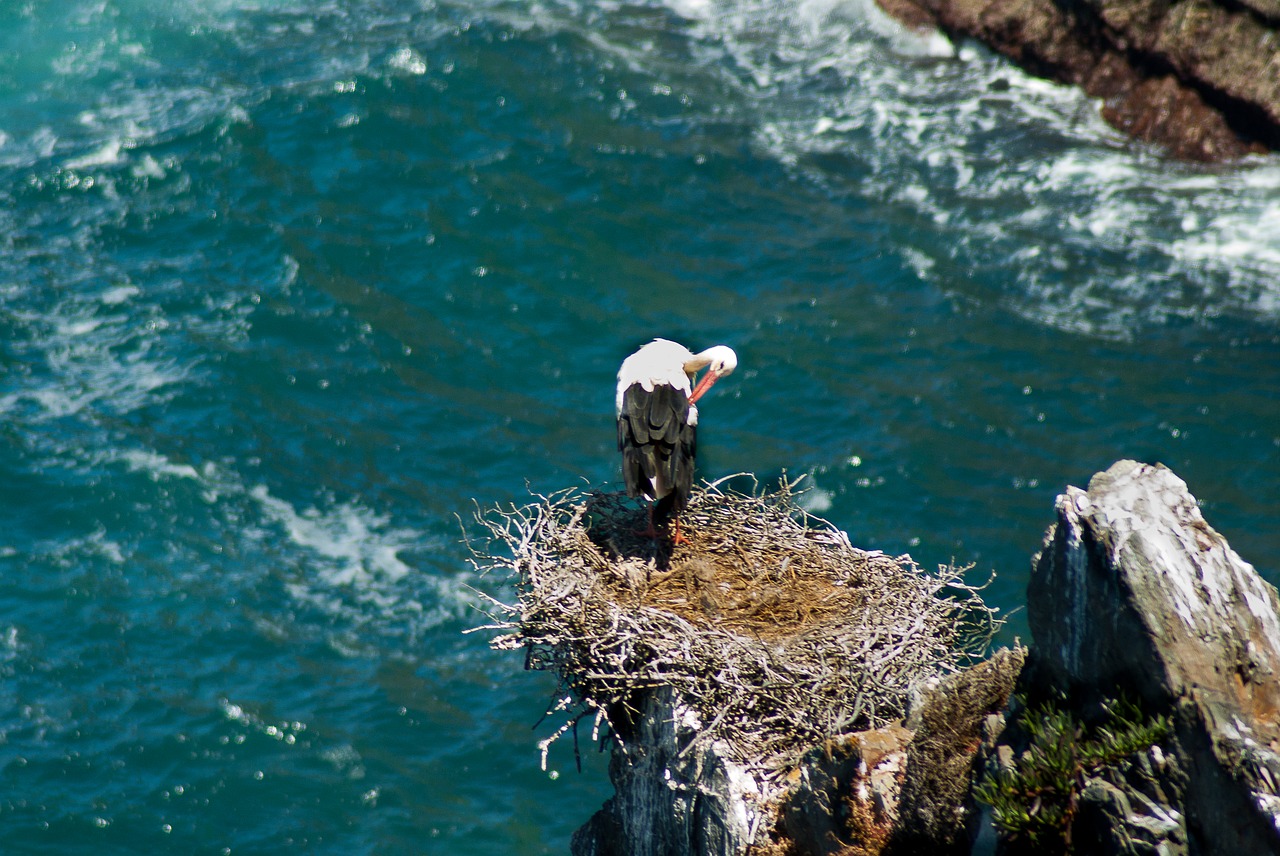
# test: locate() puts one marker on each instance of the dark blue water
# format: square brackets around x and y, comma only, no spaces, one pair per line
[286,288]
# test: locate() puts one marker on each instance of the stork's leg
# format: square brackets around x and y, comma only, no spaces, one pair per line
[676,537]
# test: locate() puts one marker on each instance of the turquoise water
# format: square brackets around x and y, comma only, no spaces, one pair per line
[286,287]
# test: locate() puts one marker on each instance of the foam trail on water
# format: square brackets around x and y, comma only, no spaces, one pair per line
[340,558]
[988,158]
[353,567]
[938,136]
[82,357]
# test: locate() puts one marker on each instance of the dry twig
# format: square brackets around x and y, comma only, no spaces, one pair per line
[769,624]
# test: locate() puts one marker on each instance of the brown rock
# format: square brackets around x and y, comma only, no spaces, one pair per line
[954,718]
[845,797]
[902,789]
[1199,77]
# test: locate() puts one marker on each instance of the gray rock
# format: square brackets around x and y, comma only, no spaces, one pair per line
[1100,819]
[1115,816]
[1134,592]
[673,794]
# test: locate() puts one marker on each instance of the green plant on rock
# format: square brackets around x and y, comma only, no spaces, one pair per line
[1034,801]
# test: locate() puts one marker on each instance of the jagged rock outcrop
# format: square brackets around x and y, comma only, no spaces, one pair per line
[1147,718]
[900,789]
[844,792]
[1200,77]
[673,794]
[710,667]
[1135,595]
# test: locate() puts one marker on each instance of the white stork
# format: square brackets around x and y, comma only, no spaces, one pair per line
[658,421]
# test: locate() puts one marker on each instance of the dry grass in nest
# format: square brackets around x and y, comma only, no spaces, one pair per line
[769,623]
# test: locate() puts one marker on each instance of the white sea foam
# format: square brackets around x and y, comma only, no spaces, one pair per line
[19,152]
[407,60]
[357,546]
[346,560]
[156,465]
[79,326]
[1242,228]
[107,154]
[949,135]
[100,350]
[10,645]
[107,547]
[97,544]
[354,568]
[85,377]
[148,167]
[346,760]
[125,384]
[993,157]
[118,294]
[694,10]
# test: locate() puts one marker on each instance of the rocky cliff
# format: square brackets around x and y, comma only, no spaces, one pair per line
[1146,718]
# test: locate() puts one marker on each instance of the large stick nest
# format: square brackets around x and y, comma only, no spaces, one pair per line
[768,623]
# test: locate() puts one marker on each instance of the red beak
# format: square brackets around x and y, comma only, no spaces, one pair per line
[703,385]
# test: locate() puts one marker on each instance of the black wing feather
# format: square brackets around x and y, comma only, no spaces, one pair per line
[657,441]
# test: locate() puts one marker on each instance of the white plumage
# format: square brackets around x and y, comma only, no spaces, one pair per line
[658,418]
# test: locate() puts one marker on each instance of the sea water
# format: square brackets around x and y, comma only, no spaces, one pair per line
[289,289]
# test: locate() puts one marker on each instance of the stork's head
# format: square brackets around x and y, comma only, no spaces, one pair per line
[719,361]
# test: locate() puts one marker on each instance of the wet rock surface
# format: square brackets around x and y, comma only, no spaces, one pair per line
[1198,77]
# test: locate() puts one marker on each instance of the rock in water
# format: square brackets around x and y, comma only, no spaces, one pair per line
[1197,77]
[1134,593]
